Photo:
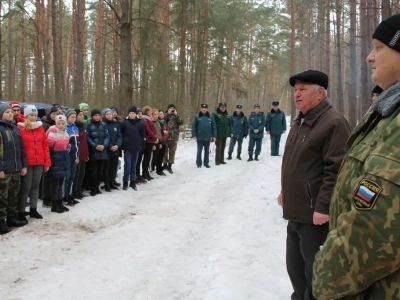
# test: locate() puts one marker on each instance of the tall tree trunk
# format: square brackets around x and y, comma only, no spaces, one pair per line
[1,55]
[126,52]
[182,53]
[293,50]
[23,66]
[364,40]
[326,67]
[98,59]
[339,83]
[386,9]
[10,68]
[57,54]
[352,74]
[79,51]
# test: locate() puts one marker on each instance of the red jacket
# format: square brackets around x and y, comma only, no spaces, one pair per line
[35,144]
[151,133]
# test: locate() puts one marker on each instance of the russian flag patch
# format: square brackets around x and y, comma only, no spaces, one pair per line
[366,194]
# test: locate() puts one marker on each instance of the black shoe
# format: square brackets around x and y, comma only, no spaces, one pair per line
[93,192]
[217,164]
[147,176]
[161,173]
[75,202]
[224,163]
[15,222]
[55,207]
[199,166]
[46,203]
[238,156]
[98,190]
[256,158]
[33,213]
[207,166]
[108,189]
[4,228]
[103,187]
[133,185]
[125,186]
[250,158]
[116,183]
[22,217]
[164,166]
[114,187]
[229,156]
[169,168]
[63,207]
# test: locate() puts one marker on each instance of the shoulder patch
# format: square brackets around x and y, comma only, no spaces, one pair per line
[366,194]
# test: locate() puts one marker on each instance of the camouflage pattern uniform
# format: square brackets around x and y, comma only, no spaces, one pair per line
[360,258]
[173,121]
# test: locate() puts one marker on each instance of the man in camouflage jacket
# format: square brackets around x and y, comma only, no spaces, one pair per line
[360,258]
[173,120]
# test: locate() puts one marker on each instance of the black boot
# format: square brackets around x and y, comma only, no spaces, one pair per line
[114,187]
[33,213]
[22,217]
[256,158]
[229,156]
[147,176]
[164,166]
[4,228]
[108,189]
[133,185]
[250,158]
[116,183]
[63,208]
[238,156]
[15,222]
[93,192]
[169,168]
[161,173]
[125,186]
[47,203]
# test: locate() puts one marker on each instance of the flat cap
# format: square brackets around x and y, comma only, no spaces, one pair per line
[204,105]
[222,104]
[275,103]
[239,106]
[257,105]
[311,76]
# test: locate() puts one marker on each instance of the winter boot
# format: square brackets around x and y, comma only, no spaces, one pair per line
[75,202]
[33,213]
[114,187]
[22,217]
[161,173]
[116,183]
[147,176]
[93,192]
[256,158]
[108,189]
[125,186]
[15,222]
[63,207]
[169,168]
[3,227]
[133,185]
[238,156]
[250,158]
[164,166]
[229,156]
[47,203]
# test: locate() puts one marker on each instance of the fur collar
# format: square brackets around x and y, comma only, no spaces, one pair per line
[207,114]
[236,114]
[388,101]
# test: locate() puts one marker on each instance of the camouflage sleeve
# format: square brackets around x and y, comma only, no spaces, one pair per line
[179,120]
[364,246]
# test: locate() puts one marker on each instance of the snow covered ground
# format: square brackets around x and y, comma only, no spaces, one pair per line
[197,234]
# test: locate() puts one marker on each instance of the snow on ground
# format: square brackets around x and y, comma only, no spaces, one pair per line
[197,234]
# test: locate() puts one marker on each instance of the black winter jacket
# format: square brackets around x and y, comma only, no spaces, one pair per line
[97,135]
[133,134]
[12,153]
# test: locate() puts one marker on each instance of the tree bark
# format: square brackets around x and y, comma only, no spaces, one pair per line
[339,83]
[57,54]
[79,52]
[293,50]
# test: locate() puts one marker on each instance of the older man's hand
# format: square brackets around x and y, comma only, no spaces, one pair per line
[319,218]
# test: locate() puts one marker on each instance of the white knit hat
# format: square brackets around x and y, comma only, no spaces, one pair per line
[30,109]
[60,118]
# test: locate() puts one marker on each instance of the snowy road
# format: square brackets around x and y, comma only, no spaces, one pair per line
[197,234]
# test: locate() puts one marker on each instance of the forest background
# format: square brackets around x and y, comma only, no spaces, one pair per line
[186,52]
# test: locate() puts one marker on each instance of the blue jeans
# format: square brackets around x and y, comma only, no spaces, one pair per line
[200,146]
[130,160]
[275,140]
[257,142]
[69,181]
[233,143]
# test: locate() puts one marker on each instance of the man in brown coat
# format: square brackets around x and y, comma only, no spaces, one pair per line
[313,153]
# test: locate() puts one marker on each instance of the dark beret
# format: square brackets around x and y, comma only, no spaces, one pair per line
[377,90]
[310,76]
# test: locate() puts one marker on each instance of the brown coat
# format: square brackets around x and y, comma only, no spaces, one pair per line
[313,153]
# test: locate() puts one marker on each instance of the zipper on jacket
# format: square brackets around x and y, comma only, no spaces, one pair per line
[309,193]
[15,150]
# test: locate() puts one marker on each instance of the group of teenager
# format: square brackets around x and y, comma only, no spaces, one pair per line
[57,156]
[219,125]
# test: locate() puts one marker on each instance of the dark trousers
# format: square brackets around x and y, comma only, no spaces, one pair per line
[109,170]
[45,195]
[275,140]
[200,146]
[146,157]
[232,144]
[255,142]
[220,145]
[138,163]
[69,181]
[96,169]
[154,157]
[9,188]
[56,185]
[302,243]
[79,175]
[160,157]
[130,165]
[87,177]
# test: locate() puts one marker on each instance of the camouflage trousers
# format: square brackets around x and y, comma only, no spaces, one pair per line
[170,150]
[9,188]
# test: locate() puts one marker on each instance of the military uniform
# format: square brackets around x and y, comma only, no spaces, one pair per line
[256,121]
[275,125]
[173,121]
[360,258]
[224,130]
[240,130]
